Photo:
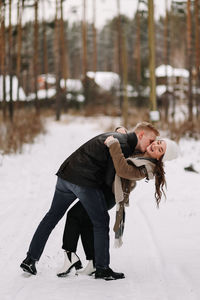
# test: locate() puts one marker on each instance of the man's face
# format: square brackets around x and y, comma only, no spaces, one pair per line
[145,139]
[156,149]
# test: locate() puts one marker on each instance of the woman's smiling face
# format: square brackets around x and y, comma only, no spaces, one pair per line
[156,149]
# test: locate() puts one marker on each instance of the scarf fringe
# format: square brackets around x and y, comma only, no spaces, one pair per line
[118,243]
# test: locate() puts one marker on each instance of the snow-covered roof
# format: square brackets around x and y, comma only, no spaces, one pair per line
[106,80]
[73,85]
[41,94]
[15,84]
[50,78]
[167,70]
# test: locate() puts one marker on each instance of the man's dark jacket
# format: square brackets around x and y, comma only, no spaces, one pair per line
[91,164]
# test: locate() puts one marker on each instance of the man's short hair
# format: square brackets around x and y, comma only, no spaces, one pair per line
[147,127]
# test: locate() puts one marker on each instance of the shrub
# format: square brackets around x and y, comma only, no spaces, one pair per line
[25,127]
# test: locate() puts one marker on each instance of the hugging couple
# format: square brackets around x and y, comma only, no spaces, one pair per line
[100,173]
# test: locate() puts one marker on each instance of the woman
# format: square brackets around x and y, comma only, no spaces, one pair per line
[146,165]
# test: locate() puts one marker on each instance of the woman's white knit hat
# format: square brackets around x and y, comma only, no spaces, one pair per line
[172,150]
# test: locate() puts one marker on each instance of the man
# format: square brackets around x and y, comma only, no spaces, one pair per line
[85,174]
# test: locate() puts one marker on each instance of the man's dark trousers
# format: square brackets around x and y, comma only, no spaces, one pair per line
[94,203]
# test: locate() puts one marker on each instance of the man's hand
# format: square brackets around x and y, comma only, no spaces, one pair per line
[108,139]
[121,130]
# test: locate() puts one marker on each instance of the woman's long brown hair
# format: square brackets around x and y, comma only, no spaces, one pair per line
[160,181]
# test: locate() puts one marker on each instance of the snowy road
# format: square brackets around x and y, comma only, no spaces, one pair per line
[161,252]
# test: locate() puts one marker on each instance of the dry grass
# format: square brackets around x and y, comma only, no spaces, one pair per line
[106,110]
[182,129]
[27,125]
[173,130]
[24,128]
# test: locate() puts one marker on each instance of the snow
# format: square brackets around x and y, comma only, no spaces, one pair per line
[73,85]
[15,83]
[42,94]
[160,255]
[49,78]
[106,80]
[161,89]
[168,70]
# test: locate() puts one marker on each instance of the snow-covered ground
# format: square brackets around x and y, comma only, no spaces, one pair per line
[161,252]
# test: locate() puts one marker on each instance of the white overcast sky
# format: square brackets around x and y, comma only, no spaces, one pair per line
[105,9]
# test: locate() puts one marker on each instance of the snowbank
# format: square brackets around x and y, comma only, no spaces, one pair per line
[15,83]
[167,70]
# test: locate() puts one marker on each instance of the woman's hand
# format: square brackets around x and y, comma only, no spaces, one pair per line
[108,139]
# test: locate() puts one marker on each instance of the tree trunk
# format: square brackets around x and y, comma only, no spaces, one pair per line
[116,53]
[119,32]
[84,55]
[165,103]
[197,56]
[19,43]
[138,50]
[2,66]
[45,57]
[125,81]
[10,72]
[94,38]
[63,57]
[137,54]
[151,33]
[35,56]
[57,64]
[189,56]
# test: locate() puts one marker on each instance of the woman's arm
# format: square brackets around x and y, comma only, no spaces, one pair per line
[123,169]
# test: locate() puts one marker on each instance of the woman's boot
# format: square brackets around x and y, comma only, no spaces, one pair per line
[71,260]
[89,269]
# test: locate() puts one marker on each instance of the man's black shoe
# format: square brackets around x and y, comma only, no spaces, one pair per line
[28,265]
[108,274]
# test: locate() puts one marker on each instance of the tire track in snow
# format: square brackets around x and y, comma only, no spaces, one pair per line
[173,276]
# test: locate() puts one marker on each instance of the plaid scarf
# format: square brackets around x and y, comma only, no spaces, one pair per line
[119,233]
